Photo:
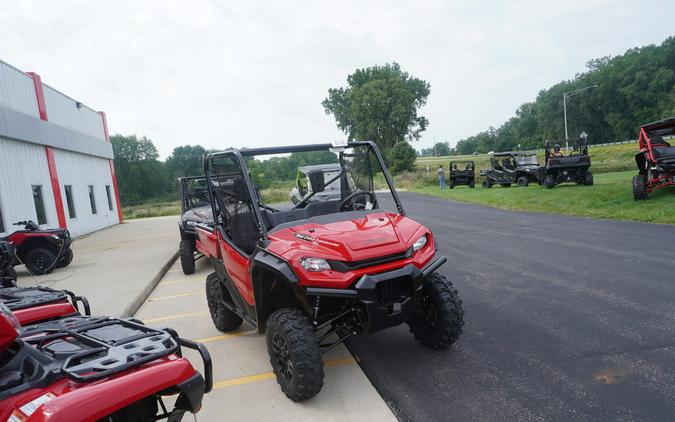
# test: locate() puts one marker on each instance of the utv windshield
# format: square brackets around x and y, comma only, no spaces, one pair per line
[527,160]
[263,183]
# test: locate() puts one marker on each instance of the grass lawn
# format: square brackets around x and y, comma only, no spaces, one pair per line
[152,209]
[610,197]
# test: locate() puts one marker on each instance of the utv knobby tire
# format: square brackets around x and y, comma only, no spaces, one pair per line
[523,181]
[40,261]
[223,318]
[549,182]
[9,277]
[640,187]
[187,256]
[439,323]
[588,178]
[451,185]
[472,184]
[65,259]
[487,184]
[294,354]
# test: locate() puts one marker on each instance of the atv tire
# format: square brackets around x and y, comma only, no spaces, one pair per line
[640,187]
[187,256]
[440,321]
[523,181]
[487,184]
[223,318]
[40,261]
[294,354]
[588,178]
[549,182]
[65,259]
[8,279]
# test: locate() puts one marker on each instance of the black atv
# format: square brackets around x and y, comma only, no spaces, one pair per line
[195,209]
[462,173]
[7,272]
[41,250]
[511,167]
[573,168]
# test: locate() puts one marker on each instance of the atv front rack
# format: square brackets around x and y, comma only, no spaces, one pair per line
[17,298]
[108,345]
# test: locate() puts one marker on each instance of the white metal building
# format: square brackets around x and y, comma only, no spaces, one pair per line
[56,160]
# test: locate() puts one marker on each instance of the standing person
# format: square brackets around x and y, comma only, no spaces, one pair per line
[441,177]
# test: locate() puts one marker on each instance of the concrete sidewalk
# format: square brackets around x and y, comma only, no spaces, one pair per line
[116,268]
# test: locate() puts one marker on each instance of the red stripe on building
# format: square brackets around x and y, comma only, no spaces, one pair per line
[39,94]
[112,168]
[56,188]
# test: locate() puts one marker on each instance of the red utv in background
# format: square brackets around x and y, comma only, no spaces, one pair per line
[312,274]
[656,159]
[41,250]
[37,304]
[87,368]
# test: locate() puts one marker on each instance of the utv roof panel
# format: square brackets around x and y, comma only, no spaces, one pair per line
[661,124]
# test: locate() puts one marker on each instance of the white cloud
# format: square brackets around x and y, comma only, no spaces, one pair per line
[254,73]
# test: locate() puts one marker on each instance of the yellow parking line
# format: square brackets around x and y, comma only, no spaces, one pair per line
[172,282]
[193,293]
[174,271]
[270,375]
[166,318]
[221,337]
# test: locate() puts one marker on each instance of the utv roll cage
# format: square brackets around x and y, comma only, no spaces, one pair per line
[656,158]
[192,198]
[239,158]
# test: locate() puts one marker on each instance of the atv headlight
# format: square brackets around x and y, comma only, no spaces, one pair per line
[314,265]
[420,243]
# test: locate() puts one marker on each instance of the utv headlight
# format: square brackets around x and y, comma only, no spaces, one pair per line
[420,243]
[314,265]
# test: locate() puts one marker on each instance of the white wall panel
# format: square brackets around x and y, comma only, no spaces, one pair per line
[21,166]
[62,110]
[17,90]
[80,171]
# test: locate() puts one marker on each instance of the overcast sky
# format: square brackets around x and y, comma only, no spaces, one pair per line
[250,73]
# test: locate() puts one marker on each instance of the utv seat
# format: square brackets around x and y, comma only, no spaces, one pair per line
[664,153]
[244,232]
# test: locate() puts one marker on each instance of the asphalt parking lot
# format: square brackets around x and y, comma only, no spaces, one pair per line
[566,319]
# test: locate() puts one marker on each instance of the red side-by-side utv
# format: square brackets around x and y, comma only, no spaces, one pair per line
[85,368]
[41,250]
[312,274]
[656,159]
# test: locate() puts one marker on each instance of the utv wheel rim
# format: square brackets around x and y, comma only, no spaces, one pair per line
[430,315]
[281,357]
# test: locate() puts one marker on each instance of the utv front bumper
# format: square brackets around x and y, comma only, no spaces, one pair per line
[386,299]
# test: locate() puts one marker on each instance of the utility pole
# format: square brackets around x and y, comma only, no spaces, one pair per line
[569,94]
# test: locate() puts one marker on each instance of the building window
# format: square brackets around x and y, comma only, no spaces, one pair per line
[69,200]
[92,200]
[107,192]
[39,204]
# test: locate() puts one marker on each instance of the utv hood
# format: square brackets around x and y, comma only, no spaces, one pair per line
[369,235]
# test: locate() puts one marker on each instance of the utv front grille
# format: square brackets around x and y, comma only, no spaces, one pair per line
[344,266]
[392,290]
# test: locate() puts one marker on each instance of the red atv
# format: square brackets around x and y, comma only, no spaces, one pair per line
[656,159]
[312,274]
[36,304]
[96,368]
[41,250]
[7,272]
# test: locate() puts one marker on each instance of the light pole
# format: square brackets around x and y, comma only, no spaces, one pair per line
[569,94]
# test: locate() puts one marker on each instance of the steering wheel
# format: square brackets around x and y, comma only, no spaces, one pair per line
[351,196]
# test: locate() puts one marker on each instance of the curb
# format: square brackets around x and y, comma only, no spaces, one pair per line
[132,308]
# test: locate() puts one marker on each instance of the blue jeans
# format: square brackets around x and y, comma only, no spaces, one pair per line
[441,181]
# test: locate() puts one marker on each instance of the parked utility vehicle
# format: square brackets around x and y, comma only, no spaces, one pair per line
[656,159]
[462,173]
[195,208]
[311,180]
[312,274]
[507,168]
[571,168]
[37,304]
[7,257]
[41,250]
[86,368]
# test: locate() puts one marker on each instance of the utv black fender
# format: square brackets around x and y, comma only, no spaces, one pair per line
[641,161]
[275,286]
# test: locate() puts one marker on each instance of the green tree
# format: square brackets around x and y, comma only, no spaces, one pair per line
[140,175]
[379,104]
[402,158]
[187,160]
